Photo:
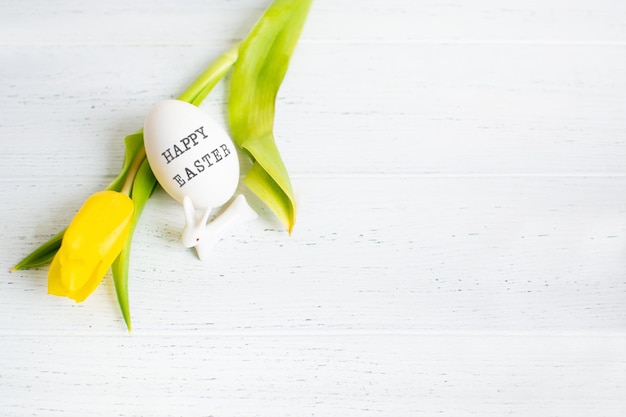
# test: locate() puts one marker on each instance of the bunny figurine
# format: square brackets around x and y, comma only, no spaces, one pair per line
[197,233]
[196,163]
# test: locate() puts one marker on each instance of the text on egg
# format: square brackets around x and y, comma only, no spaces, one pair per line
[186,143]
[200,164]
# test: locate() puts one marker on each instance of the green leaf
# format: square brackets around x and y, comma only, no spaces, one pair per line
[257,75]
[268,179]
[143,187]
[264,186]
[43,254]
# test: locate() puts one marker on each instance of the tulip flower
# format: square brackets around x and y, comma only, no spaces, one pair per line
[91,243]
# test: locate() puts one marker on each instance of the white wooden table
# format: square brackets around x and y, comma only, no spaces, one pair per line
[461,243]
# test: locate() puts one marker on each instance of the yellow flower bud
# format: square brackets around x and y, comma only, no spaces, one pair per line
[91,243]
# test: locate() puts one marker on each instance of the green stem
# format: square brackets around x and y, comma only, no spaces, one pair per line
[132,171]
[199,89]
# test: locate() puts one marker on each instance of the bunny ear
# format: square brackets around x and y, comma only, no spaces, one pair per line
[190,211]
[205,217]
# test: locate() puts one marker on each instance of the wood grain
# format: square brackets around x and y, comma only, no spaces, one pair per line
[352,375]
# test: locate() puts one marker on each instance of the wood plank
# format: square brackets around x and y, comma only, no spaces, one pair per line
[391,109]
[348,375]
[400,254]
[196,22]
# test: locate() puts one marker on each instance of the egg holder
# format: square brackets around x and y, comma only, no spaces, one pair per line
[196,163]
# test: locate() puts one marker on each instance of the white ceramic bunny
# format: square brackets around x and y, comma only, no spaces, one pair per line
[202,235]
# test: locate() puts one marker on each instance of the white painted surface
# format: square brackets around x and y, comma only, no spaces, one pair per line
[461,243]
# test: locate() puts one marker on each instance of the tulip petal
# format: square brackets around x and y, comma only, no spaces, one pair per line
[54,278]
[91,243]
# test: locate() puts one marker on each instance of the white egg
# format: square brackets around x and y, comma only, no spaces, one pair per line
[190,154]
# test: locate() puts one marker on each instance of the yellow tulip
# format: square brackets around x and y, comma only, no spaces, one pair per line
[91,243]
